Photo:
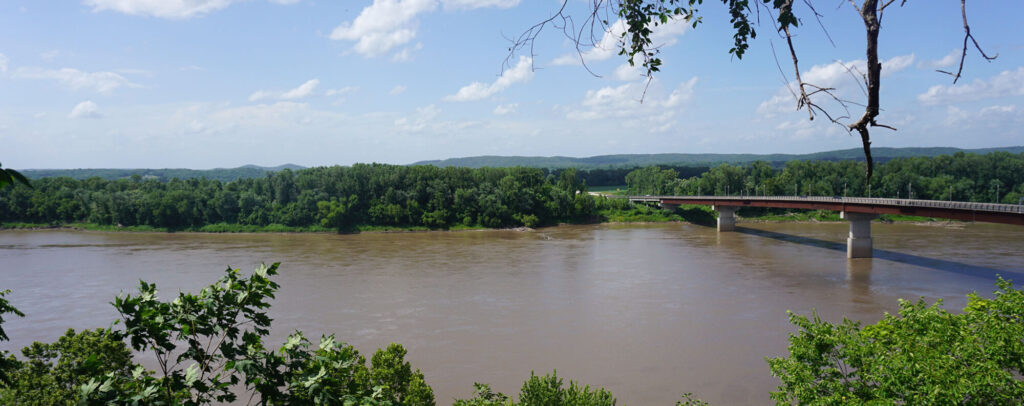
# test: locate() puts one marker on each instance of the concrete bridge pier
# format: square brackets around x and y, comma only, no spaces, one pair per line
[858,244]
[726,217]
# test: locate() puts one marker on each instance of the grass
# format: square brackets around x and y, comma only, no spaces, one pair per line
[78,226]
[645,214]
[269,228]
[619,190]
[814,215]
[901,217]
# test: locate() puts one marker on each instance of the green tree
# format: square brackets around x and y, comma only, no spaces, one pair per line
[398,383]
[53,373]
[923,356]
[7,363]
[547,390]
[339,214]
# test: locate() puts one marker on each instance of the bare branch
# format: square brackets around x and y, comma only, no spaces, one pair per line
[804,99]
[967,36]
[850,69]
[785,80]
[817,17]
[884,126]
[527,38]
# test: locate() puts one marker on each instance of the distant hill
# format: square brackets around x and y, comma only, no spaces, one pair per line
[631,160]
[221,174]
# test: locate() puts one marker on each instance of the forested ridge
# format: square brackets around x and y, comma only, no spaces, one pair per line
[222,174]
[881,154]
[346,198]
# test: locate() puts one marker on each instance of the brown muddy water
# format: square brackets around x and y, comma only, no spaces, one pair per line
[646,311]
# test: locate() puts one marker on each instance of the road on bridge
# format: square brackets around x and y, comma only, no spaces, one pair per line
[965,211]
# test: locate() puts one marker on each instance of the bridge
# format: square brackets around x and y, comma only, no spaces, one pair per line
[859,211]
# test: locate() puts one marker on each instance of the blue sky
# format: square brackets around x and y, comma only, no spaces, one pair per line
[222,83]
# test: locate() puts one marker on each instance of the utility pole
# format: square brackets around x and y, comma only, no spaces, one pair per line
[844,189]
[951,193]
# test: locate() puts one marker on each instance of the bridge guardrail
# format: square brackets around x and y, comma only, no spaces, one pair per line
[942,204]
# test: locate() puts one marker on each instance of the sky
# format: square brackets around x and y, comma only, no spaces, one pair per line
[223,83]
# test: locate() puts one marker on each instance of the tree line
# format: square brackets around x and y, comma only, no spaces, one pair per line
[346,198]
[336,197]
[992,177]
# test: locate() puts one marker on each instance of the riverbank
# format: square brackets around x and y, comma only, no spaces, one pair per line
[638,215]
[223,228]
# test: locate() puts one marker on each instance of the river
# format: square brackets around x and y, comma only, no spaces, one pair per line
[646,311]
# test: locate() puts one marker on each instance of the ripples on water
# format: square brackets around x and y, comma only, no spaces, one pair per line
[647,311]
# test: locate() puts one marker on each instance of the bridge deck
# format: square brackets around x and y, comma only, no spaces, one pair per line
[966,211]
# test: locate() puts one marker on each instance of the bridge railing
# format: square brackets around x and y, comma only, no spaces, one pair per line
[943,204]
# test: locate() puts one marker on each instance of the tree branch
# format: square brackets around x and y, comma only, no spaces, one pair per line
[868,12]
[963,53]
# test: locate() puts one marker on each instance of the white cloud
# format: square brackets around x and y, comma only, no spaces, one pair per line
[383,25]
[471,4]
[299,92]
[999,109]
[397,90]
[682,93]
[341,91]
[3,63]
[50,55]
[272,115]
[656,113]
[419,120]
[522,72]
[303,90]
[1006,83]
[896,64]
[605,48]
[949,60]
[103,82]
[170,9]
[86,109]
[664,35]
[405,55]
[389,24]
[843,77]
[997,120]
[261,95]
[504,109]
[627,72]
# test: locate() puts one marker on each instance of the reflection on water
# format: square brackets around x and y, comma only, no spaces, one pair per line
[647,311]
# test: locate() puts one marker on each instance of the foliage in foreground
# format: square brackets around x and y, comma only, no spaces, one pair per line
[209,348]
[9,176]
[923,356]
[539,391]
